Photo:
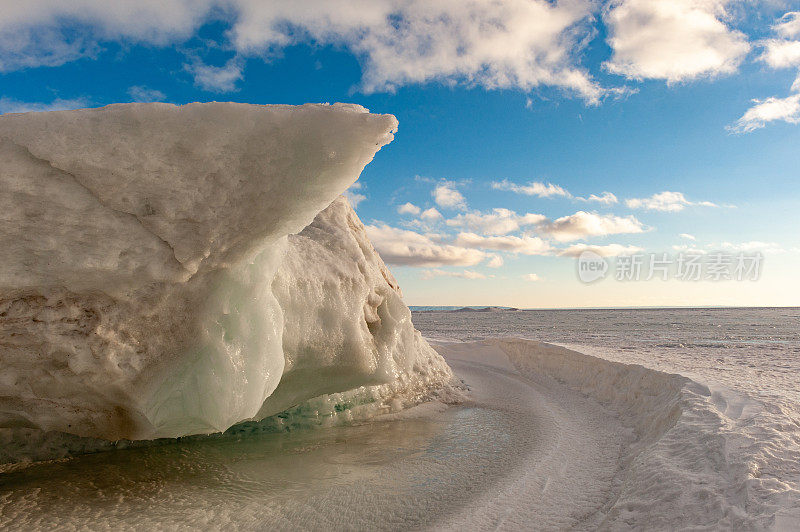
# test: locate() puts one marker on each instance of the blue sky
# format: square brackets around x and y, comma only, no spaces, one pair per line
[685,111]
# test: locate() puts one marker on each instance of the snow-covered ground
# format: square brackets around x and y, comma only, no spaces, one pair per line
[712,395]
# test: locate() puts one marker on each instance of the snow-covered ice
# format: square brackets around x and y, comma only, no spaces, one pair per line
[149,285]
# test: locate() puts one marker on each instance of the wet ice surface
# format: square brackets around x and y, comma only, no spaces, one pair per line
[548,440]
[512,457]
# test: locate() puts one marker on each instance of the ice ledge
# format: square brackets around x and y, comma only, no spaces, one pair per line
[203,182]
[148,286]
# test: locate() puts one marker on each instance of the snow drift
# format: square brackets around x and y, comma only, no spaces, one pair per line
[694,456]
[149,285]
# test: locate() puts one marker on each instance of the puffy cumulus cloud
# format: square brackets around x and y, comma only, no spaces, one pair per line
[777,53]
[51,33]
[531,277]
[496,261]
[789,25]
[496,222]
[515,43]
[446,195]
[431,215]
[10,105]
[139,93]
[585,224]
[534,188]
[511,44]
[609,250]
[216,79]
[408,248]
[465,274]
[675,40]
[666,201]
[780,53]
[408,208]
[433,250]
[784,51]
[525,245]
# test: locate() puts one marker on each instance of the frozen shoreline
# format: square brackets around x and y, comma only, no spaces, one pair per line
[549,438]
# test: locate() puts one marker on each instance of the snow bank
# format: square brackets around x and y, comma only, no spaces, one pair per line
[688,462]
[149,286]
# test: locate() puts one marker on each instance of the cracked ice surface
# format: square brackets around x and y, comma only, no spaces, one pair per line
[148,283]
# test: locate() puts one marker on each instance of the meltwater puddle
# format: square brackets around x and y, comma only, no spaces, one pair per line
[512,457]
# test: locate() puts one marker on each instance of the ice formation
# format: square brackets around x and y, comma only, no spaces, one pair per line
[151,281]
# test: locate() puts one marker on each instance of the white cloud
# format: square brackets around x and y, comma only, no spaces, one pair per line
[515,43]
[526,245]
[584,224]
[609,250]
[606,198]
[531,277]
[407,248]
[140,93]
[496,261]
[354,198]
[446,195]
[466,274]
[408,208]
[43,32]
[780,53]
[783,52]
[549,190]
[431,215]
[687,236]
[496,222]
[769,110]
[666,201]
[512,44]
[534,188]
[675,40]
[10,105]
[216,79]
[789,25]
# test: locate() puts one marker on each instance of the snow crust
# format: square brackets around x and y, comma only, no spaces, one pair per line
[149,285]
